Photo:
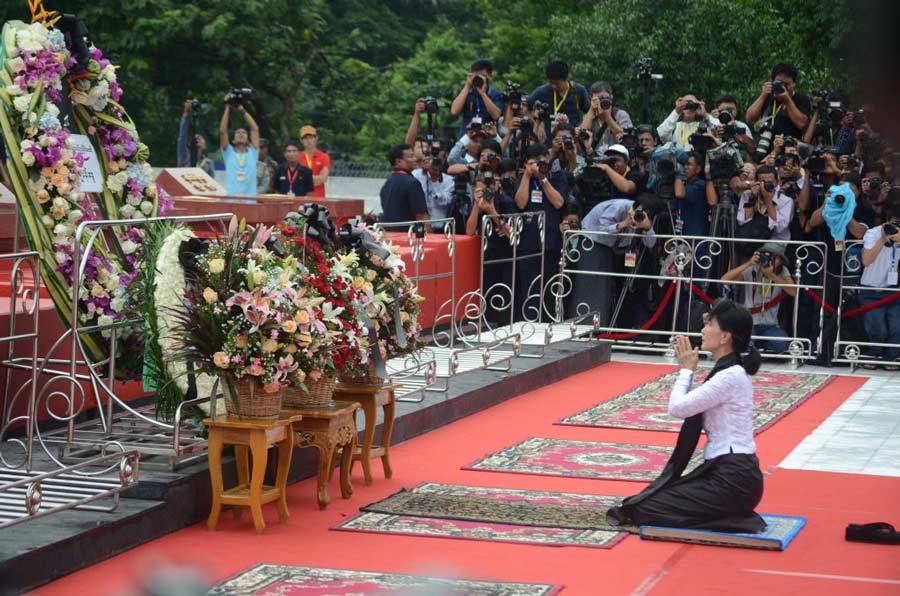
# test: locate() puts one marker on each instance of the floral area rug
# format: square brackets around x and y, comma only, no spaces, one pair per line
[582,459]
[493,514]
[775,394]
[288,580]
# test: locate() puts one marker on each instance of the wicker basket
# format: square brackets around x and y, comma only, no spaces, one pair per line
[369,379]
[318,394]
[252,401]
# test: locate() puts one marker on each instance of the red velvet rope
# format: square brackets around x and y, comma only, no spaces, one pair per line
[756,309]
[856,311]
[650,322]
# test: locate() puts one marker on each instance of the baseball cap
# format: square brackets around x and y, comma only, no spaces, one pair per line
[618,149]
[307,130]
[776,248]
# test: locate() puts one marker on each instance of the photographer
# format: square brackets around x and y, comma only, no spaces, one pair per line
[560,96]
[693,201]
[764,198]
[730,127]
[437,186]
[832,123]
[242,154]
[291,178]
[402,198]
[563,154]
[876,190]
[767,268]
[540,190]
[198,146]
[612,251]
[477,97]
[881,255]
[778,107]
[465,150]
[491,200]
[684,120]
[605,121]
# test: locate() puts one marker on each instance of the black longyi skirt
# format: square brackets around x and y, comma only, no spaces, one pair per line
[718,495]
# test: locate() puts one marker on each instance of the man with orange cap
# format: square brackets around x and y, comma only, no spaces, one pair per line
[314,159]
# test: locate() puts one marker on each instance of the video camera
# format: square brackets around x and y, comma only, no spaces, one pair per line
[630,141]
[197,105]
[541,111]
[725,162]
[700,141]
[238,96]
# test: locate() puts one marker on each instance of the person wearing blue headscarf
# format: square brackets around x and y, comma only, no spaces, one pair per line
[840,204]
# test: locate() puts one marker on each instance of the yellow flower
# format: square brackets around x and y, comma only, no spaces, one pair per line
[62,170]
[302,317]
[301,376]
[112,167]
[370,274]
[210,295]
[289,326]
[358,282]
[269,345]
[259,277]
[216,265]
[221,359]
[241,341]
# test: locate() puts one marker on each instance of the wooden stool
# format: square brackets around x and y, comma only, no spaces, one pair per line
[255,435]
[371,397]
[326,428]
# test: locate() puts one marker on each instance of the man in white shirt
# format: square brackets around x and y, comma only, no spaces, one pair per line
[684,121]
[765,198]
[437,186]
[881,255]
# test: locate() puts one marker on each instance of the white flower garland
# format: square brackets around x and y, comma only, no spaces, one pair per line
[170,289]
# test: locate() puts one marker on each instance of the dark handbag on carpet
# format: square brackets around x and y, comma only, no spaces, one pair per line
[875,533]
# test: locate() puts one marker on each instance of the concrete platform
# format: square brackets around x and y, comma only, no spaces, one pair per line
[37,552]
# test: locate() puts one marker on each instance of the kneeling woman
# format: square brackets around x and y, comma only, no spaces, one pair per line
[722,492]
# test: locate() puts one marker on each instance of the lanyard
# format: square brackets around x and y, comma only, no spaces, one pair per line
[776,107]
[241,159]
[308,160]
[292,179]
[556,105]
[686,132]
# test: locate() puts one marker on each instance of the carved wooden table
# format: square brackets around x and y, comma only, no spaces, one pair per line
[327,428]
[371,397]
[255,436]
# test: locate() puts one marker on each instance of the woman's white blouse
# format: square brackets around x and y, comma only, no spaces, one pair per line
[726,402]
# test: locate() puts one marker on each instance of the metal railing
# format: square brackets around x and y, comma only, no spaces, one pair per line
[684,263]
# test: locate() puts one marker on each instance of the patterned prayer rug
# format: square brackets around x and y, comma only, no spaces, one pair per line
[494,514]
[780,531]
[582,459]
[288,580]
[775,394]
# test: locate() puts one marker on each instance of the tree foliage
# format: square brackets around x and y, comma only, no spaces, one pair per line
[354,68]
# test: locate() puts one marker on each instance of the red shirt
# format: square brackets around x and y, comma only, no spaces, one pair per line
[319,161]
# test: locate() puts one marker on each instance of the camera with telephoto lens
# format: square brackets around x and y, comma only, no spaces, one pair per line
[568,143]
[639,215]
[478,81]
[197,105]
[790,189]
[488,194]
[630,140]
[436,162]
[815,163]
[237,96]
[777,87]
[691,105]
[726,117]
[605,102]
[765,258]
[431,105]
[789,141]
[584,136]
[769,186]
[764,144]
[839,199]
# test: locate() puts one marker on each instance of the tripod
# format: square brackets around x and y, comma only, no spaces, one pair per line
[724,218]
[646,76]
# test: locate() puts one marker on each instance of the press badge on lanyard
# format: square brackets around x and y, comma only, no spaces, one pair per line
[631,259]
[537,196]
[839,246]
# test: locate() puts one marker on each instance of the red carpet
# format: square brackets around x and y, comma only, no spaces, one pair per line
[829,501]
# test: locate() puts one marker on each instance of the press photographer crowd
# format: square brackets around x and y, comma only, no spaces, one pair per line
[607,192]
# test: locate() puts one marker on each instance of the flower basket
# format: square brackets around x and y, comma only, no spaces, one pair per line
[370,378]
[250,401]
[318,393]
